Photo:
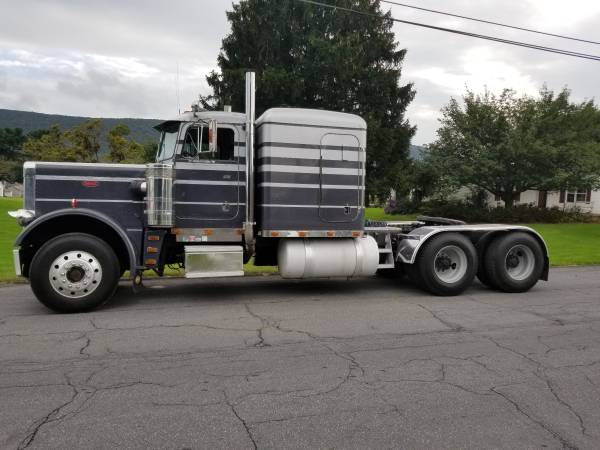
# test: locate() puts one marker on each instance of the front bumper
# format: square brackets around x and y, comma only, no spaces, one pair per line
[17,261]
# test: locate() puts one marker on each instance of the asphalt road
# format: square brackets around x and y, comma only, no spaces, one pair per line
[272,364]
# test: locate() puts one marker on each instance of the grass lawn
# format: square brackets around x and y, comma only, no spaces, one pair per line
[378,214]
[8,232]
[569,243]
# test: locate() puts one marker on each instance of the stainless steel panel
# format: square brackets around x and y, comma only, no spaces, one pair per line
[202,261]
[159,196]
[17,261]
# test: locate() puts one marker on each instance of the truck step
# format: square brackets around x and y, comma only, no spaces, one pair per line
[203,261]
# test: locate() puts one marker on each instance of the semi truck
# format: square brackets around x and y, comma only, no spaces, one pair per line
[286,189]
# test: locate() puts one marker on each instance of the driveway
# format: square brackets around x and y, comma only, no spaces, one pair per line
[267,363]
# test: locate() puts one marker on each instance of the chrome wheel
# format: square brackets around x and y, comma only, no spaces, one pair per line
[520,262]
[75,274]
[450,264]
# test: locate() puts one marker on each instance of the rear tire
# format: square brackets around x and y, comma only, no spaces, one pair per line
[74,272]
[446,266]
[514,262]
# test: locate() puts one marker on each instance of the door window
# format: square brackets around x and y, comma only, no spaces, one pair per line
[195,144]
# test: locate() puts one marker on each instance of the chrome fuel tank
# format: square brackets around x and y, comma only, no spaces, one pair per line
[327,258]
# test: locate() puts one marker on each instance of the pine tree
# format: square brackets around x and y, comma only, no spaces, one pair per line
[313,57]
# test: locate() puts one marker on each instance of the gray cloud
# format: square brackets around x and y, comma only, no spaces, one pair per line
[115,58]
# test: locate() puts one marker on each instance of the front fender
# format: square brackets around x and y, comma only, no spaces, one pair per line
[80,212]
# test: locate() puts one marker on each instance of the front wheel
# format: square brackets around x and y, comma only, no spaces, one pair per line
[446,265]
[74,272]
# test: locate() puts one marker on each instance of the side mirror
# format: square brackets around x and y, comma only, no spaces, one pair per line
[212,135]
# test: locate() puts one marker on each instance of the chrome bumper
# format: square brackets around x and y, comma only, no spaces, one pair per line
[17,261]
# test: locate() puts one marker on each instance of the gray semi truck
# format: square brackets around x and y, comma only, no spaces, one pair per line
[287,189]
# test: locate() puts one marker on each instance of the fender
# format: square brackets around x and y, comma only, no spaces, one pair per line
[408,248]
[82,212]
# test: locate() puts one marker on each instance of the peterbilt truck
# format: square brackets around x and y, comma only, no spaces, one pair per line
[287,189]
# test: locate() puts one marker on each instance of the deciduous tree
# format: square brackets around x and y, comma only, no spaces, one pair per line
[508,144]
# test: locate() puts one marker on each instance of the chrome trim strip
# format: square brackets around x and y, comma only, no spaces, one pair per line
[79,164]
[206,165]
[88,200]
[17,261]
[312,233]
[307,169]
[306,125]
[209,203]
[310,186]
[211,183]
[271,205]
[311,153]
[208,234]
[84,178]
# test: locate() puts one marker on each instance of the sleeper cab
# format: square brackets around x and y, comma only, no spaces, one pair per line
[310,171]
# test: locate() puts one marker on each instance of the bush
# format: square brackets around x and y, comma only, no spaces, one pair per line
[517,214]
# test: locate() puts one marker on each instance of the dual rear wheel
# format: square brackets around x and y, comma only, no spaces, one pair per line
[447,265]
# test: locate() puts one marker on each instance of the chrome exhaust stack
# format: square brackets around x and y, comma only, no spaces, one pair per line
[250,117]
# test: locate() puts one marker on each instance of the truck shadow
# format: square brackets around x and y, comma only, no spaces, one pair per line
[269,289]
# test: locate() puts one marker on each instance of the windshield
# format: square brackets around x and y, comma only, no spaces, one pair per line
[168,139]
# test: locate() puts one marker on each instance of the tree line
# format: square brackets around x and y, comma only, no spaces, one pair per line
[81,143]
[507,144]
[307,56]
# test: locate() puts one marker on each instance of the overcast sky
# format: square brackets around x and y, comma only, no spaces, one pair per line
[114,58]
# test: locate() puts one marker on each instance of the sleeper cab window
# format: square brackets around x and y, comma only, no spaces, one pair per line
[195,144]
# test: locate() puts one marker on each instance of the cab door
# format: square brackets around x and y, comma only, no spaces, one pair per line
[206,190]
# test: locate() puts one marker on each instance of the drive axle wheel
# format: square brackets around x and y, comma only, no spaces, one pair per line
[514,262]
[446,266]
[74,272]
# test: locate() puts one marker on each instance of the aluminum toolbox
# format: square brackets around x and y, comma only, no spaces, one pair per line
[202,261]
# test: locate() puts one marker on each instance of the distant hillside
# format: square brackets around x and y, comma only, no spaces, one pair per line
[415,151]
[141,129]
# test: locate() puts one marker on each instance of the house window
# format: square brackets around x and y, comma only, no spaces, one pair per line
[578,196]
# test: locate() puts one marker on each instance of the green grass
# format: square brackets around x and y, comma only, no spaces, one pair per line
[378,214]
[569,243]
[8,232]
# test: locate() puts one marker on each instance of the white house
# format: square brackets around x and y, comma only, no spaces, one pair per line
[585,200]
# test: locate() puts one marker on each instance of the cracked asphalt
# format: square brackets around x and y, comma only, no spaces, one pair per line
[267,363]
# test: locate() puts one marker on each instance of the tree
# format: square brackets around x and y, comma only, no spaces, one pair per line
[50,146]
[150,149]
[508,144]
[85,139]
[122,150]
[314,57]
[11,142]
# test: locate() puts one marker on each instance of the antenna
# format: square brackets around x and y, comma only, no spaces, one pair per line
[177,89]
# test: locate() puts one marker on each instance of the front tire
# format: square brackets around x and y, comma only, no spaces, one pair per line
[514,262]
[74,272]
[446,266]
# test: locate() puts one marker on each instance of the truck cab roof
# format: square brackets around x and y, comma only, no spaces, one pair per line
[219,116]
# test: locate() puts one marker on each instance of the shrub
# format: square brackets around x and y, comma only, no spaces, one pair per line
[517,214]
